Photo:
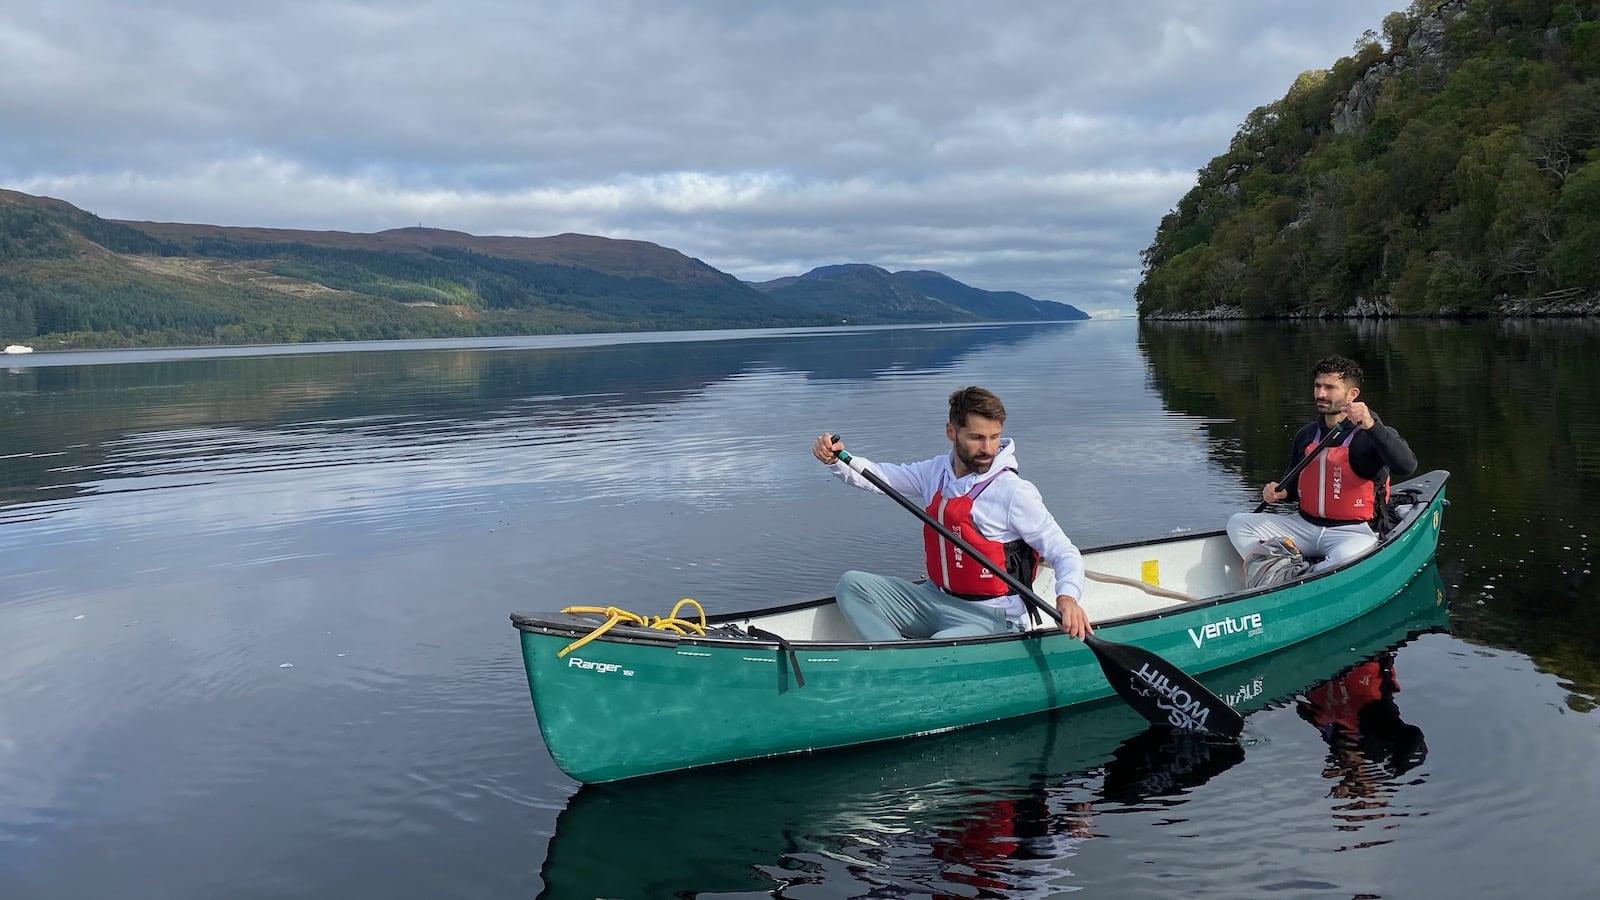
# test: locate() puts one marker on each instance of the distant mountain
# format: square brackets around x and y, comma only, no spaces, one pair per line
[863,295]
[610,256]
[866,294]
[1008,305]
[69,278]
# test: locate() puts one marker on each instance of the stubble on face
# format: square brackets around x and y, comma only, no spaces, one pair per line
[1331,393]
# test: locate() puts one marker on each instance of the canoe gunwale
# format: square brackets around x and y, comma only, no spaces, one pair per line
[578,625]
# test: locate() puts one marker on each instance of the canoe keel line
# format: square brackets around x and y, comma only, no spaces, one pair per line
[639,700]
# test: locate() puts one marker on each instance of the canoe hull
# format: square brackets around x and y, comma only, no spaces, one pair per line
[637,701]
[765,815]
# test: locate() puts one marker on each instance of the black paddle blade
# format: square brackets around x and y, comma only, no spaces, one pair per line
[1162,692]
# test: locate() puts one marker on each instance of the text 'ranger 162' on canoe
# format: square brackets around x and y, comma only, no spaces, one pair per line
[617,696]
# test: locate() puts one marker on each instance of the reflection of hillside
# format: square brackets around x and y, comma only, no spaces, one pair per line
[1039,780]
[1508,406]
[63,421]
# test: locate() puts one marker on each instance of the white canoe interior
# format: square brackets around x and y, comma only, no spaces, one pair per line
[1123,581]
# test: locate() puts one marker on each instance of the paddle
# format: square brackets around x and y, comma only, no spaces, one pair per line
[1326,442]
[1155,688]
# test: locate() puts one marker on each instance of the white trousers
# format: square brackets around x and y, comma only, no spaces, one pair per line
[1334,543]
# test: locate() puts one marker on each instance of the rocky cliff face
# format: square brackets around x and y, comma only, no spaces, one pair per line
[1424,46]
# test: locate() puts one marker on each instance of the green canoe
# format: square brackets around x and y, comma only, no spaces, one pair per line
[632,700]
[755,819]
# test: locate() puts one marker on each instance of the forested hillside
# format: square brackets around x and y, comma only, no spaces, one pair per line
[69,279]
[1451,165]
[72,279]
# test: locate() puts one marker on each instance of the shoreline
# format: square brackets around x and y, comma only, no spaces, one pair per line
[1572,306]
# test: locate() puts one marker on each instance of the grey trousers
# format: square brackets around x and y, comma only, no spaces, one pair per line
[886,608]
[1334,544]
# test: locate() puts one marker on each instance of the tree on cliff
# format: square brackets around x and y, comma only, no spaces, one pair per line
[1442,169]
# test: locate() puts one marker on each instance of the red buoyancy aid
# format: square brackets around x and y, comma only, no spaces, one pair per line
[948,566]
[1330,489]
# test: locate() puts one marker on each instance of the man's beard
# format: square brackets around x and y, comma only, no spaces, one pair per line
[971,462]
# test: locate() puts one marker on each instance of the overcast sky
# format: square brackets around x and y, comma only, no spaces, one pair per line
[1029,146]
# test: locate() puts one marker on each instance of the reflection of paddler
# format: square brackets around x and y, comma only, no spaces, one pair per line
[980,843]
[978,847]
[1357,715]
[1337,703]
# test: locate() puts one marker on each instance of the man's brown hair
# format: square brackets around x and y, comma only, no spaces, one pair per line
[975,401]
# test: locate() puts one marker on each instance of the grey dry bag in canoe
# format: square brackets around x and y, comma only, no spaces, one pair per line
[1273,561]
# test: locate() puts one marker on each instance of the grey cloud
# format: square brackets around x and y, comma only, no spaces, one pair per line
[1027,145]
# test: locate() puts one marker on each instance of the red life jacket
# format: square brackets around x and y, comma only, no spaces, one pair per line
[1330,489]
[948,566]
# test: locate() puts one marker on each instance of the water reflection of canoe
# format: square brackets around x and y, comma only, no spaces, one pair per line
[737,827]
[633,701]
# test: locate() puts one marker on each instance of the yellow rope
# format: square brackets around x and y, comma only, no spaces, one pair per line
[614,615]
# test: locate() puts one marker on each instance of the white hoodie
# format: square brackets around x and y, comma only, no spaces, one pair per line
[1008,509]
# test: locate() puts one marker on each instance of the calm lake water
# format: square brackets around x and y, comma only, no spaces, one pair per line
[254,636]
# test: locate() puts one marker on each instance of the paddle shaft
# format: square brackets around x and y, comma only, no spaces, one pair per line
[1011,580]
[1326,442]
